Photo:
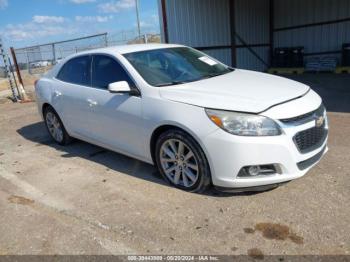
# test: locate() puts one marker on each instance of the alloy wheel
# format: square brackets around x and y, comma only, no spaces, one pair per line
[179,163]
[54,126]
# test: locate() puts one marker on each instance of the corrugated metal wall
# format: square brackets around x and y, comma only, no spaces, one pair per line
[206,23]
[246,60]
[298,12]
[252,24]
[252,20]
[200,23]
[315,39]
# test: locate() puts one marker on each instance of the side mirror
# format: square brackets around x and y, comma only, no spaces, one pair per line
[119,87]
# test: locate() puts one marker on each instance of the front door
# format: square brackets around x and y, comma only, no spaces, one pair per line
[115,119]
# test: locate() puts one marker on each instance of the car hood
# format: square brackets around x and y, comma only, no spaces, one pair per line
[241,90]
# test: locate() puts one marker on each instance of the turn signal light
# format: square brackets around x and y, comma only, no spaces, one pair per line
[216,120]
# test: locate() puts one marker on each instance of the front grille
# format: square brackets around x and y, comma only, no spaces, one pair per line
[310,139]
[298,120]
[311,161]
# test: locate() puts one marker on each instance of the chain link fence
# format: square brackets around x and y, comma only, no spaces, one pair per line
[34,61]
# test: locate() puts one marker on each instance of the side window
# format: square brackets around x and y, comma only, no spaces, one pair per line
[106,70]
[77,71]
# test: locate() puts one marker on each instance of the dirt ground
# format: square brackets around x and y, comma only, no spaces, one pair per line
[82,199]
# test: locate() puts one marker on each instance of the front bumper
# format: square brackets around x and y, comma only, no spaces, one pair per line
[228,154]
[249,189]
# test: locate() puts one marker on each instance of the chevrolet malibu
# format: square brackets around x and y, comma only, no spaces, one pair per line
[200,122]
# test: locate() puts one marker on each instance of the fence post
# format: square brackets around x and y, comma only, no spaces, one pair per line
[28,63]
[106,40]
[22,92]
[53,54]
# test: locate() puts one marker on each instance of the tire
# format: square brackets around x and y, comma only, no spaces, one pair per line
[182,162]
[55,127]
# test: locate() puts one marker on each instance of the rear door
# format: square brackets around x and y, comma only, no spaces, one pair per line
[71,93]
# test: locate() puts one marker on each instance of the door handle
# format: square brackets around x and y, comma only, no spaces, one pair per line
[92,102]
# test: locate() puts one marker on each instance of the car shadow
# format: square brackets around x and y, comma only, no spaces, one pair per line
[38,134]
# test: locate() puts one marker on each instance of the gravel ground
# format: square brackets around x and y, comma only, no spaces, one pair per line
[82,199]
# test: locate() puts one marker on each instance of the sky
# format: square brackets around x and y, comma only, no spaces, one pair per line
[31,22]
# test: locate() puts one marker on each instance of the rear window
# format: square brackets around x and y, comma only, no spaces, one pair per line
[76,71]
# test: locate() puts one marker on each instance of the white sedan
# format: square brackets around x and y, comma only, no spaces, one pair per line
[199,121]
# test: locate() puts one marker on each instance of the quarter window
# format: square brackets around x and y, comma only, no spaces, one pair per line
[106,70]
[77,71]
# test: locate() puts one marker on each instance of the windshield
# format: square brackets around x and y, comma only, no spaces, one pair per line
[171,66]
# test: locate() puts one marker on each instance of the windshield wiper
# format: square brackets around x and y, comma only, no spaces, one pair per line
[211,75]
[218,74]
[171,83]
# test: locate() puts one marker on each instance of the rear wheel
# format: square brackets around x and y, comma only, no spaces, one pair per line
[182,162]
[55,127]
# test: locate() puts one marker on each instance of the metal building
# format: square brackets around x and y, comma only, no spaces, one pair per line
[243,33]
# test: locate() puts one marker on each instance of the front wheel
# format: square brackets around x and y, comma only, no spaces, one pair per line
[182,162]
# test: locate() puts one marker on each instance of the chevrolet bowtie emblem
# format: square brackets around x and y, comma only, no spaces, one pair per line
[319,121]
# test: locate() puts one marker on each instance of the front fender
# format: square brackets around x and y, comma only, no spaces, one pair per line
[191,119]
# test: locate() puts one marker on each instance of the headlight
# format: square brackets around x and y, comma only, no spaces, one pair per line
[244,124]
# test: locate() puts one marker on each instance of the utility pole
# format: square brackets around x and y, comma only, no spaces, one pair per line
[138,18]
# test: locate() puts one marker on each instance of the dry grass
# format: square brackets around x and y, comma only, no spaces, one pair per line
[151,39]
[3,84]
[28,80]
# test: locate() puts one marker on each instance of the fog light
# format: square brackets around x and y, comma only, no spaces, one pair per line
[254,170]
[263,170]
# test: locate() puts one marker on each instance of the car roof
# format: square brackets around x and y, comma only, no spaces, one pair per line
[112,50]
[124,49]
